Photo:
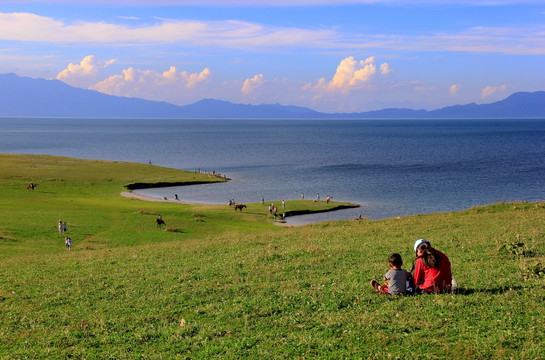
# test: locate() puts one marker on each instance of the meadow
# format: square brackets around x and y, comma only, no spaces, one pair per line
[218,284]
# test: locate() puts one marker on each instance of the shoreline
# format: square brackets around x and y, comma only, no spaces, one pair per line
[133,196]
[161,184]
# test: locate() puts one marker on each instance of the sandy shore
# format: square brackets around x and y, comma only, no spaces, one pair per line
[131,195]
[286,225]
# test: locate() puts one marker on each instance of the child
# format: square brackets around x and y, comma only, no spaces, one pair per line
[397,279]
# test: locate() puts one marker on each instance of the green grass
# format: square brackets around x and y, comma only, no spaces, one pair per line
[223,285]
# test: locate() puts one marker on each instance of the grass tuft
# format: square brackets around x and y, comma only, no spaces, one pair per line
[173,229]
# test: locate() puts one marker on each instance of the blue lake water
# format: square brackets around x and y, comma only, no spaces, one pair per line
[391,167]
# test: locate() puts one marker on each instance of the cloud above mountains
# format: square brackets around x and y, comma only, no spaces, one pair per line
[84,74]
[351,75]
[252,84]
[489,90]
[152,85]
[177,87]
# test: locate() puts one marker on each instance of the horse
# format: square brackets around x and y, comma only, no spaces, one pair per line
[239,207]
[160,222]
[30,186]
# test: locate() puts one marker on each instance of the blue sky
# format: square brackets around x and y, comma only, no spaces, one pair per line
[331,56]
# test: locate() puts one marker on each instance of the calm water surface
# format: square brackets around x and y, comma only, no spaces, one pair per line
[391,167]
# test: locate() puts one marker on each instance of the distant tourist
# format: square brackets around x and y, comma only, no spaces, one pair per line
[159,221]
[176,197]
[302,196]
[68,243]
[262,200]
[396,280]
[64,227]
[61,227]
[318,196]
[283,204]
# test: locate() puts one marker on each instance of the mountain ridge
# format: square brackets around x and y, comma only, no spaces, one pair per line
[28,97]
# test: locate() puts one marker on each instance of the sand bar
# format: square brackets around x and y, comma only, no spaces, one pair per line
[131,195]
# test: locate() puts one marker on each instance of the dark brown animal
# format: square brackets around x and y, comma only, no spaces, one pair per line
[160,222]
[239,207]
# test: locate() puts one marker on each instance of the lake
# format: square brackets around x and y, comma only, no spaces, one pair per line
[391,167]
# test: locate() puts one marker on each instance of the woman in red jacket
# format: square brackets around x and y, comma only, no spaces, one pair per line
[432,273]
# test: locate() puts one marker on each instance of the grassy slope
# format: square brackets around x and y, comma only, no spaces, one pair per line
[85,193]
[232,285]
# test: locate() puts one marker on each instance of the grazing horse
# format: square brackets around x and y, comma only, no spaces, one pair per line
[160,222]
[239,207]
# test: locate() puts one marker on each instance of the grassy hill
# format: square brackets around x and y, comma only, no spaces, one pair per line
[220,284]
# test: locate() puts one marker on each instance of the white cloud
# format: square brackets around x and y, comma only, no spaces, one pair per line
[172,76]
[489,90]
[250,85]
[227,34]
[85,73]
[455,88]
[350,75]
[385,69]
[232,34]
[170,85]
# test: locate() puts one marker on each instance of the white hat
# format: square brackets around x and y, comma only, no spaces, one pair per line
[418,242]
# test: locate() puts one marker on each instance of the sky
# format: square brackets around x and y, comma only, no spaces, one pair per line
[327,55]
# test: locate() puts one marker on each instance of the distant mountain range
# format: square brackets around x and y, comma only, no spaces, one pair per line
[27,97]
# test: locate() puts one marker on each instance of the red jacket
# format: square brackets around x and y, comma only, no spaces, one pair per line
[433,280]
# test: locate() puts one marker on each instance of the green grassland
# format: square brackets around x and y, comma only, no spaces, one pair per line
[226,285]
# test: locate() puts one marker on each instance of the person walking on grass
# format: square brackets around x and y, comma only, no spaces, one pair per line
[396,280]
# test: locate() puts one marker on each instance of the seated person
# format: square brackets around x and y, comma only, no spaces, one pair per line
[397,279]
[432,273]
